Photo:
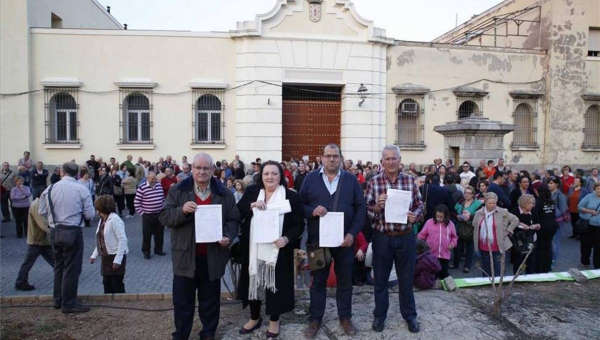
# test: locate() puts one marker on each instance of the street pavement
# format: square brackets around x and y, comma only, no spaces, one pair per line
[154,275]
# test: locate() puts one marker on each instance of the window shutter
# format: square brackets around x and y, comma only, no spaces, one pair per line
[594,40]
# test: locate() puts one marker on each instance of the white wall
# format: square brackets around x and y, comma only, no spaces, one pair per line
[74,14]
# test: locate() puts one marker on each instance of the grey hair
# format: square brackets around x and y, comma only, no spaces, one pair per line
[333,146]
[205,156]
[391,147]
[525,199]
[490,196]
[71,169]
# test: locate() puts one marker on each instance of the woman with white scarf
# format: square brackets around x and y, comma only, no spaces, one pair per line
[492,228]
[267,273]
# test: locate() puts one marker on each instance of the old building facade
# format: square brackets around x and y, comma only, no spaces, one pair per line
[304,74]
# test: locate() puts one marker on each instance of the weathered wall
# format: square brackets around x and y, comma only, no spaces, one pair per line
[74,14]
[100,58]
[442,68]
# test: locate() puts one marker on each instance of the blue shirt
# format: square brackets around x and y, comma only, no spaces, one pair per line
[331,186]
[71,200]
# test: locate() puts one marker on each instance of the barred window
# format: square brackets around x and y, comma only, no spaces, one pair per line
[136,119]
[525,120]
[591,130]
[410,122]
[208,117]
[61,116]
[467,109]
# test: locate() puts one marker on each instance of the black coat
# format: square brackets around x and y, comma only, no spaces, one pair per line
[293,225]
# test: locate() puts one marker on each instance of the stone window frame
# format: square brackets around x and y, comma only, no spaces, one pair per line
[415,93]
[469,94]
[591,100]
[124,113]
[531,100]
[197,94]
[71,116]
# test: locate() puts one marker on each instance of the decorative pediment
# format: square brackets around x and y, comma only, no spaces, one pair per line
[410,89]
[468,91]
[591,96]
[323,19]
[525,94]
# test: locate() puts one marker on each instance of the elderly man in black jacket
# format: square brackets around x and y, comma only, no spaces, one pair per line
[198,266]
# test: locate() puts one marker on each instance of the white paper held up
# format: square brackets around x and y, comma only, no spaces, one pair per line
[397,205]
[209,223]
[331,229]
[267,225]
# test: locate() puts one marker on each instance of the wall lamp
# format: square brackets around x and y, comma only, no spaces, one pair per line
[362,93]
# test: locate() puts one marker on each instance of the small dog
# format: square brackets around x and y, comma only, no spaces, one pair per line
[301,266]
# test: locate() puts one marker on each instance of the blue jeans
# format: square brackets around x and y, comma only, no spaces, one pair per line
[67,268]
[485,263]
[556,240]
[184,301]
[387,251]
[343,259]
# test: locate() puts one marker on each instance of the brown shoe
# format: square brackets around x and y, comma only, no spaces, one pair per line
[312,330]
[348,327]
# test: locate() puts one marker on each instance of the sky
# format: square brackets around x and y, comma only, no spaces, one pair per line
[414,20]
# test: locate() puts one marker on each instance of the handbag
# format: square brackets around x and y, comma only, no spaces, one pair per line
[118,191]
[565,217]
[465,229]
[320,257]
[583,226]
[421,219]
[64,235]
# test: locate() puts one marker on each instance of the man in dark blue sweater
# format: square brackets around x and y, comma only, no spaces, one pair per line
[317,194]
[496,188]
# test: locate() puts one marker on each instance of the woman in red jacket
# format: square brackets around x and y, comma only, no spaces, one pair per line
[360,251]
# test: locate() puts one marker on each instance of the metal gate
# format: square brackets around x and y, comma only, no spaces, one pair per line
[311,120]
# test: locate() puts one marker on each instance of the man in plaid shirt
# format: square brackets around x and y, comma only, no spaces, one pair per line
[393,242]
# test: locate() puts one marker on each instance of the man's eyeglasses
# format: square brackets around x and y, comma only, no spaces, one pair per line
[205,169]
[331,156]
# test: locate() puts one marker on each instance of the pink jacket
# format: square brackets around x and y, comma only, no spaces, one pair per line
[439,237]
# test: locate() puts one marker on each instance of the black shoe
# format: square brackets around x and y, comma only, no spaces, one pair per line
[147,256]
[248,331]
[78,309]
[161,253]
[413,326]
[57,306]
[378,324]
[24,286]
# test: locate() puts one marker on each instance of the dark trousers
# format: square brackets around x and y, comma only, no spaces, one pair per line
[33,251]
[67,268]
[574,219]
[37,190]
[151,226]
[485,263]
[543,255]
[4,198]
[113,284]
[120,199]
[20,215]
[517,258]
[442,274]
[387,251]
[130,205]
[358,274]
[255,311]
[184,303]
[590,241]
[466,248]
[343,261]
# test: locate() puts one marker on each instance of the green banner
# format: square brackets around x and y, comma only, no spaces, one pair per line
[547,277]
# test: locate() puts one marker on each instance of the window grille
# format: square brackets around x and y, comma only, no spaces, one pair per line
[468,107]
[410,126]
[591,130]
[525,120]
[61,115]
[136,116]
[208,117]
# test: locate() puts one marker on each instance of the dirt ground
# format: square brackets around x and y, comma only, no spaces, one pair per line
[562,310]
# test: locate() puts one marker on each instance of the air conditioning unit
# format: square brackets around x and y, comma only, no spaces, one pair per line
[409,109]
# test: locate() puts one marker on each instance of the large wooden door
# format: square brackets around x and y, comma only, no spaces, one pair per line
[308,126]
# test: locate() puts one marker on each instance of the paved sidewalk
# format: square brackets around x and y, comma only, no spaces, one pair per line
[149,276]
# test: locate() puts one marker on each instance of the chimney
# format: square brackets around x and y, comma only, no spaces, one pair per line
[124,26]
[108,9]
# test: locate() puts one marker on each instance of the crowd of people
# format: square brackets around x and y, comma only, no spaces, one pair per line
[455,213]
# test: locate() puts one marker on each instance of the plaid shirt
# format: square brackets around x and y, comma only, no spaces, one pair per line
[379,185]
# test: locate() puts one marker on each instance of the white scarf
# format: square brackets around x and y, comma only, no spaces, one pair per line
[487,232]
[263,256]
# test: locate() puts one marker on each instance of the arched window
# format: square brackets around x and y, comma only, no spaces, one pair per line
[591,130]
[410,130]
[136,118]
[467,109]
[525,126]
[207,127]
[62,124]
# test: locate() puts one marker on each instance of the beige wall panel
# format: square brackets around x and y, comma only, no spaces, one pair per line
[341,55]
[299,49]
[258,115]
[259,129]
[593,67]
[328,55]
[315,49]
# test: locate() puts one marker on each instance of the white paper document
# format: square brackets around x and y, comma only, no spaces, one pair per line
[397,205]
[331,229]
[266,223]
[209,223]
